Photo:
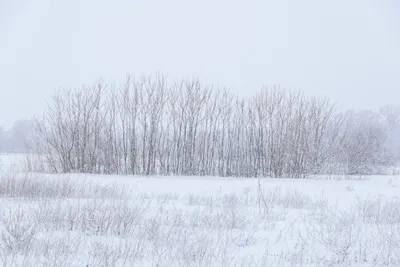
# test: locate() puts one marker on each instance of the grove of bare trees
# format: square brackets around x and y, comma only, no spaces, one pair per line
[149,126]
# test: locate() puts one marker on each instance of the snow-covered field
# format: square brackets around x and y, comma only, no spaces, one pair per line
[90,220]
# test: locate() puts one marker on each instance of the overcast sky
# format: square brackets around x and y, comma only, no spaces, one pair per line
[348,50]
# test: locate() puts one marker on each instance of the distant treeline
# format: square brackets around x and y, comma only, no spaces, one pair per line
[15,138]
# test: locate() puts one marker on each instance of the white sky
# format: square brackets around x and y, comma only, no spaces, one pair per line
[347,50]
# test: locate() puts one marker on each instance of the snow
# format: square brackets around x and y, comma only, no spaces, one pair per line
[98,220]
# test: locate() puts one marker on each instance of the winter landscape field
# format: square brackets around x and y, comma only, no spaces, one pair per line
[199,133]
[159,173]
[94,220]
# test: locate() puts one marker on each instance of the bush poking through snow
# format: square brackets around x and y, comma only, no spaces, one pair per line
[18,230]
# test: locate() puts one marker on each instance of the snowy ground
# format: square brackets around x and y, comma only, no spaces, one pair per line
[89,220]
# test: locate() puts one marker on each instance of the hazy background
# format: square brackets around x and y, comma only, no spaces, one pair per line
[347,50]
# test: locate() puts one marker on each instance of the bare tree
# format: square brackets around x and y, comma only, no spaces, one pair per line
[364,148]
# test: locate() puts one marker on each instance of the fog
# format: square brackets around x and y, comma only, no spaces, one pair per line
[345,50]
